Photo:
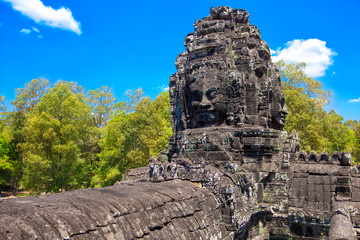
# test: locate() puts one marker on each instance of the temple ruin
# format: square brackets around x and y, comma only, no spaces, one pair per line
[230,171]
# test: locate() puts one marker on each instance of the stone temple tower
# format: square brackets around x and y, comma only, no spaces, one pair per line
[227,93]
[228,113]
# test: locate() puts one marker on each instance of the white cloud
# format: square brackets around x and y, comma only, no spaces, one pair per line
[25,31]
[313,52]
[162,88]
[28,31]
[355,100]
[37,11]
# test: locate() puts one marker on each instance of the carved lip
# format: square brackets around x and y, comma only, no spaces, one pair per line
[281,118]
[204,110]
[204,117]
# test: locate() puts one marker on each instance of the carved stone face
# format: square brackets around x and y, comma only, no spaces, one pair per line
[207,104]
[279,112]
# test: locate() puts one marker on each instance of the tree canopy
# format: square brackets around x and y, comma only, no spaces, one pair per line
[58,146]
[318,129]
[130,139]
[59,136]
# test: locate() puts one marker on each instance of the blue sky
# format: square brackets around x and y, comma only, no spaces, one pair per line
[127,45]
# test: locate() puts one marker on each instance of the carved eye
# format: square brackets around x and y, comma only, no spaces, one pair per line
[196,96]
[211,94]
[282,101]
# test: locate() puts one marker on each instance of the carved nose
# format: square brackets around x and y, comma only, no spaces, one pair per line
[205,103]
[285,110]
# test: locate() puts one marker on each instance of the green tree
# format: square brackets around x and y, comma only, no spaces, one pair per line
[6,167]
[352,124]
[304,117]
[59,144]
[356,152]
[354,139]
[131,138]
[102,102]
[13,130]
[294,78]
[2,107]
[27,98]
[134,96]
[157,124]
[318,130]
[336,133]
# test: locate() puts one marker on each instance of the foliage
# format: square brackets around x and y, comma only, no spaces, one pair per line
[352,124]
[102,102]
[356,152]
[131,138]
[57,138]
[318,130]
[2,107]
[6,168]
[26,100]
[295,79]
[134,96]
[58,146]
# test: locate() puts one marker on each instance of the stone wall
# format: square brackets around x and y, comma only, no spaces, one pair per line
[317,182]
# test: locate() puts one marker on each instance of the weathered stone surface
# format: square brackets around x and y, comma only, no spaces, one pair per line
[228,113]
[174,209]
[341,225]
[137,174]
[230,172]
